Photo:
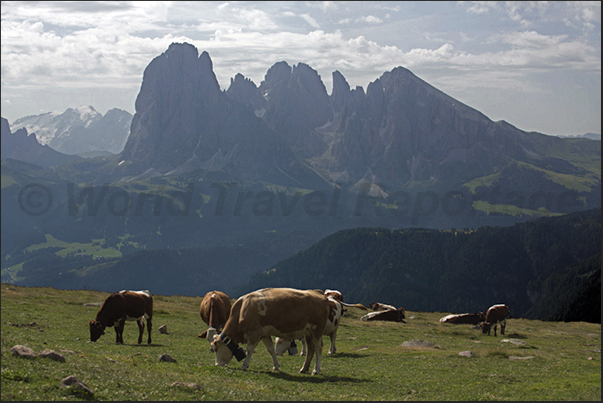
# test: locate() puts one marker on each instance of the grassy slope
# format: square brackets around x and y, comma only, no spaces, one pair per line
[370,363]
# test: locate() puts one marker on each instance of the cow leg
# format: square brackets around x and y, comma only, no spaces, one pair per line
[140,323]
[149,327]
[332,349]
[119,331]
[503,324]
[303,342]
[250,349]
[314,347]
[495,326]
[270,347]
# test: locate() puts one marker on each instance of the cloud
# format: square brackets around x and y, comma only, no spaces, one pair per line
[313,23]
[369,19]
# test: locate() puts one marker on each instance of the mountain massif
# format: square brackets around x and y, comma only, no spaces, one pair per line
[245,177]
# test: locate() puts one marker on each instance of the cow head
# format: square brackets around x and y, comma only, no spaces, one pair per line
[485,327]
[281,345]
[96,330]
[209,334]
[225,349]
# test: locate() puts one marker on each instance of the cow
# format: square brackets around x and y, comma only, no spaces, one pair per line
[378,306]
[283,312]
[464,318]
[214,310]
[494,315]
[336,301]
[119,307]
[331,327]
[391,315]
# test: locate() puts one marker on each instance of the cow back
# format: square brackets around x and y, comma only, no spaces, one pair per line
[122,304]
[497,313]
[215,309]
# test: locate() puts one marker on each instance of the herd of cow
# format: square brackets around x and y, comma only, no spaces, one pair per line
[286,313]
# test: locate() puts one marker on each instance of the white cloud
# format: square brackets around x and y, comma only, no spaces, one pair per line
[313,23]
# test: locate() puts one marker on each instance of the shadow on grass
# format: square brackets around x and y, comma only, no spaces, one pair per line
[152,345]
[320,378]
[513,336]
[347,355]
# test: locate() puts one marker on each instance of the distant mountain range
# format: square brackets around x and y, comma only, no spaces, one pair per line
[23,146]
[267,170]
[79,130]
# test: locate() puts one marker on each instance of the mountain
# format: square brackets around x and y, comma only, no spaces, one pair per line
[405,135]
[22,146]
[592,136]
[184,122]
[79,130]
[540,269]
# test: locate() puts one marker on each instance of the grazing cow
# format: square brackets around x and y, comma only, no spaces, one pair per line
[333,320]
[283,312]
[378,306]
[122,306]
[214,311]
[464,318]
[496,314]
[336,301]
[392,315]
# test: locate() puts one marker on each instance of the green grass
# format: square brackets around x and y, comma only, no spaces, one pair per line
[94,248]
[370,363]
[509,209]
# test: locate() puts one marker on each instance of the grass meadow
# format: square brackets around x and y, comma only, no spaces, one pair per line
[559,361]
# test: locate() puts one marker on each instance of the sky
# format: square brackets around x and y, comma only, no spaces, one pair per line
[536,65]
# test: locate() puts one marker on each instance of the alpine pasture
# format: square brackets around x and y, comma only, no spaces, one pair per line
[534,360]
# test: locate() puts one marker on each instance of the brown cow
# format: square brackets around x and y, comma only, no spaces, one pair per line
[284,312]
[392,315]
[122,306]
[214,311]
[336,302]
[464,318]
[333,320]
[496,314]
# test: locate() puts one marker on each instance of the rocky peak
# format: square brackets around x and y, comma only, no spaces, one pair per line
[296,104]
[185,123]
[245,91]
[178,93]
[341,91]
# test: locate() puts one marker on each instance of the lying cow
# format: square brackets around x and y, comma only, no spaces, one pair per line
[214,310]
[378,306]
[283,312]
[122,306]
[464,318]
[391,315]
[496,314]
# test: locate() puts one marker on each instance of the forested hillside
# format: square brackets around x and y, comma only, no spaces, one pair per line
[547,269]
